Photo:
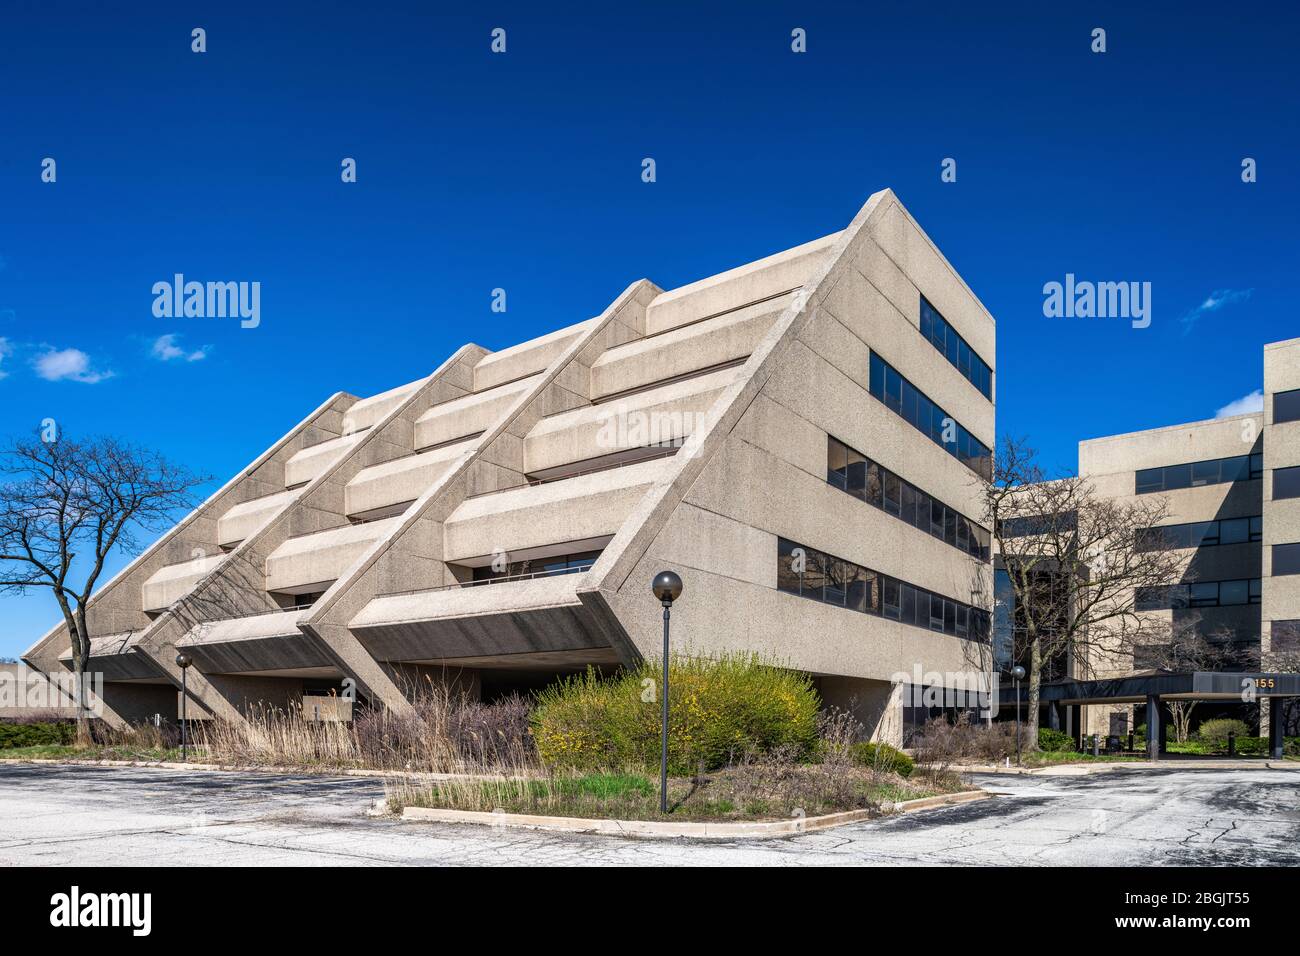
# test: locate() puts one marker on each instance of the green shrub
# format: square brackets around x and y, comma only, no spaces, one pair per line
[1250,746]
[36,735]
[1214,733]
[883,757]
[1055,741]
[719,710]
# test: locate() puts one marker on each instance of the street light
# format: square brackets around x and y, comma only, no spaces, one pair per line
[183,661]
[667,587]
[1017,675]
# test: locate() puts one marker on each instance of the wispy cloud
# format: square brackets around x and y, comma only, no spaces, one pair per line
[6,350]
[55,365]
[1253,402]
[166,347]
[1215,301]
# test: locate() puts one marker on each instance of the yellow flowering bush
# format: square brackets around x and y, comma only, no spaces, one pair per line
[719,709]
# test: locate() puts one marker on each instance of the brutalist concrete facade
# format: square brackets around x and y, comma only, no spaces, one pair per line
[1219,478]
[392,540]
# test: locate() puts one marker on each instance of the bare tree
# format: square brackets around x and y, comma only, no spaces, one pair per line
[1283,657]
[1075,560]
[65,507]
[1184,647]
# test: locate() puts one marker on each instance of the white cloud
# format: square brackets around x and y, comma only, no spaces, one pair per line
[72,364]
[1254,402]
[165,348]
[6,350]
[1215,301]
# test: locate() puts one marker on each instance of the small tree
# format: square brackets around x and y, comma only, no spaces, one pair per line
[1183,648]
[65,507]
[1075,560]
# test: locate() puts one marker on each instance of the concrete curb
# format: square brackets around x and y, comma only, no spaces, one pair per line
[253,768]
[1086,769]
[666,830]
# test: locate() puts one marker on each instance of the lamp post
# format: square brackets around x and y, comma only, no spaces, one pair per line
[183,661]
[667,587]
[1017,675]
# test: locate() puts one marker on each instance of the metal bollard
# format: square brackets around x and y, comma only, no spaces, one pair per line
[1096,745]
[1232,744]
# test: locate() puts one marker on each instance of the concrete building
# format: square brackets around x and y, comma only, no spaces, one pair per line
[1233,490]
[802,438]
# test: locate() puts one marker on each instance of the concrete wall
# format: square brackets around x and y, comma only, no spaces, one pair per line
[758,471]
[1281,594]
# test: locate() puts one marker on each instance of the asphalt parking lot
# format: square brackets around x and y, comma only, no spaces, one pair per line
[63,815]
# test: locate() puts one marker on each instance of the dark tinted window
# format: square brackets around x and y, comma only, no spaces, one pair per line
[1195,474]
[822,577]
[1286,559]
[1286,406]
[1234,531]
[1201,534]
[955,349]
[850,471]
[1286,482]
[890,387]
[1234,592]
[1286,636]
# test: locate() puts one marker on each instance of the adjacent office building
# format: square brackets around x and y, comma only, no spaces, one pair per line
[802,438]
[1232,486]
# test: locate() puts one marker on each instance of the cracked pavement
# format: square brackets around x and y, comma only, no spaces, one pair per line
[102,816]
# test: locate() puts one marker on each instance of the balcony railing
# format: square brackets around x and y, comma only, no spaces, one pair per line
[534,482]
[502,579]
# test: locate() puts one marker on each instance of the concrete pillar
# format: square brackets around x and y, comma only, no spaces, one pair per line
[1155,733]
[1275,741]
[1053,715]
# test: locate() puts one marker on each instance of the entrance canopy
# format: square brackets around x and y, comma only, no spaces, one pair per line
[1192,685]
[1152,687]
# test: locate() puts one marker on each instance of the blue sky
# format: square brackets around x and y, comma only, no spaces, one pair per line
[522,171]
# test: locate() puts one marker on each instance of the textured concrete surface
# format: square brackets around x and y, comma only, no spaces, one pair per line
[61,815]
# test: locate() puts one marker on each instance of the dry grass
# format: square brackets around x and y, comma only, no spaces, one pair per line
[773,785]
[446,733]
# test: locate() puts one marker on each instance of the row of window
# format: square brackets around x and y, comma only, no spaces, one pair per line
[907,400]
[1199,594]
[822,577]
[1286,482]
[557,564]
[1201,534]
[954,348]
[851,471]
[1213,471]
[1286,559]
[1286,406]
[1028,525]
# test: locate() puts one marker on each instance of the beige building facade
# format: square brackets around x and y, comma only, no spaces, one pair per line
[1234,520]
[801,438]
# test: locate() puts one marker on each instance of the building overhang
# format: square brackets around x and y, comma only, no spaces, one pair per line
[1192,685]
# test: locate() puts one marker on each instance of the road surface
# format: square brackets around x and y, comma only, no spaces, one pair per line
[103,816]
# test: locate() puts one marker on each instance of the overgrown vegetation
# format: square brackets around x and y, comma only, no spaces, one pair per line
[883,758]
[36,734]
[1214,733]
[1055,741]
[446,732]
[719,711]
[748,741]
[837,773]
